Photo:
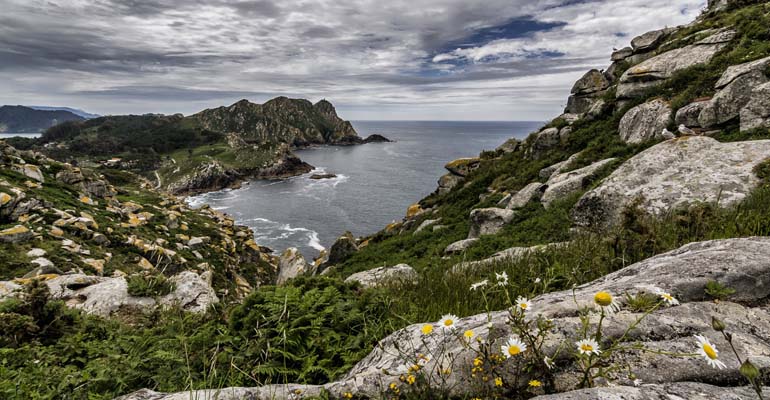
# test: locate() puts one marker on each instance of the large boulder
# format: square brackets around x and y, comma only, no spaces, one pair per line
[291,264]
[16,234]
[563,184]
[489,221]
[531,192]
[728,102]
[462,166]
[756,113]
[383,275]
[344,247]
[586,91]
[542,142]
[448,182]
[645,121]
[740,264]
[650,40]
[460,246]
[652,72]
[675,173]
[688,115]
[30,171]
[507,255]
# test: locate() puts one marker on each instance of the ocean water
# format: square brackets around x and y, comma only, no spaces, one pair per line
[7,135]
[375,182]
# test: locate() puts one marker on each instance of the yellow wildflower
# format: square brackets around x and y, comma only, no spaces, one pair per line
[498,381]
[535,383]
[427,329]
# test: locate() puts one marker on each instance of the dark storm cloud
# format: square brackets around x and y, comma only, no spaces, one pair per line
[177,55]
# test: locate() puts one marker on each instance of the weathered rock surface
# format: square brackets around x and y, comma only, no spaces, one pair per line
[756,113]
[543,141]
[563,184]
[16,234]
[585,92]
[382,275]
[291,264]
[672,174]
[343,247]
[645,122]
[488,221]
[650,40]
[737,263]
[688,115]
[622,54]
[460,246]
[447,182]
[426,224]
[650,73]
[728,102]
[513,253]
[531,192]
[462,166]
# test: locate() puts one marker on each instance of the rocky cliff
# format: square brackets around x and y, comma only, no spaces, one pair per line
[20,119]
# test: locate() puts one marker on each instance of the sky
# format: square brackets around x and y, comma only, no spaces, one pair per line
[373,59]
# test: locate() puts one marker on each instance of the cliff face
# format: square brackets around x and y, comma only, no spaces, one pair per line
[296,122]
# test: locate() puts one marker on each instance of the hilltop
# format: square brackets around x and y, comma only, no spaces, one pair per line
[21,119]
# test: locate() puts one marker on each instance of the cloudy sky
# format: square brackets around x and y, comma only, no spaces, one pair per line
[374,59]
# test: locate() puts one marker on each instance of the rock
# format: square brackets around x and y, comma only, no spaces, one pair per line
[196,242]
[100,239]
[192,292]
[376,138]
[591,82]
[489,221]
[5,198]
[383,275]
[735,71]
[291,264]
[650,40]
[322,176]
[145,264]
[507,255]
[414,210]
[17,234]
[97,265]
[426,224]
[543,141]
[622,54]
[44,267]
[70,176]
[460,246]
[9,289]
[563,184]
[672,174]
[549,171]
[728,102]
[644,122]
[509,146]
[688,115]
[756,113]
[447,182]
[463,166]
[650,73]
[669,391]
[344,247]
[531,192]
[35,253]
[30,171]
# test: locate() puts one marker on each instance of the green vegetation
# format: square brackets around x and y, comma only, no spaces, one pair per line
[149,285]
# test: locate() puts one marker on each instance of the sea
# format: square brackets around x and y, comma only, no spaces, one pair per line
[375,182]
[7,135]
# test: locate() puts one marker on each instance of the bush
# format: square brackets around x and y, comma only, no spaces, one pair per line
[149,285]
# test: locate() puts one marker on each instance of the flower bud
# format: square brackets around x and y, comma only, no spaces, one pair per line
[718,325]
[749,370]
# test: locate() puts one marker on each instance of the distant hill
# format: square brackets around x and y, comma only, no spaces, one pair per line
[75,111]
[21,119]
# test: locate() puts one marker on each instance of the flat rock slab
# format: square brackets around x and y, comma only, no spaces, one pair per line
[563,184]
[382,275]
[675,173]
[671,391]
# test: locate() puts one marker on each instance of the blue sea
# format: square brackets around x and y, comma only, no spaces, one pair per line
[375,182]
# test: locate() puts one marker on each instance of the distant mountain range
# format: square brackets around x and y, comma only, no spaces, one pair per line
[21,119]
[75,111]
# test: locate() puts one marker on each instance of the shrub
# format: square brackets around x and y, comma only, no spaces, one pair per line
[149,285]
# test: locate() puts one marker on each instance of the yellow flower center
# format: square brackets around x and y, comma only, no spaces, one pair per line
[468,334]
[523,306]
[667,296]
[448,322]
[513,350]
[477,362]
[427,329]
[586,347]
[603,299]
[535,383]
[710,352]
[498,382]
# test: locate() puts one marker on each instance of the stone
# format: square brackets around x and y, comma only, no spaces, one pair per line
[591,82]
[97,265]
[100,239]
[344,247]
[507,255]
[44,267]
[70,176]
[509,146]
[756,113]
[414,210]
[196,242]
[644,122]
[650,40]
[622,54]
[668,391]
[35,253]
[673,174]
[145,264]
[652,72]
[192,292]
[563,184]
[531,192]
[735,71]
[460,246]
[489,221]
[426,224]
[291,264]
[543,141]
[448,182]
[728,102]
[5,198]
[384,275]
[17,234]
[463,166]
[30,171]
[688,115]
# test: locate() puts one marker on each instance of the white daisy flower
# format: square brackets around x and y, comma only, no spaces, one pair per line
[502,278]
[607,302]
[523,304]
[513,347]
[637,382]
[588,347]
[448,322]
[709,352]
[548,361]
[481,284]
[538,280]
[667,297]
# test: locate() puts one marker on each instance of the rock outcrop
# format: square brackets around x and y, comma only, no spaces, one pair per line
[587,92]
[460,246]
[756,113]
[565,183]
[507,255]
[488,221]
[531,192]
[672,174]
[736,87]
[384,275]
[291,264]
[645,122]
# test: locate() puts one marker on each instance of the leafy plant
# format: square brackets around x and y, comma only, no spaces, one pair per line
[718,291]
